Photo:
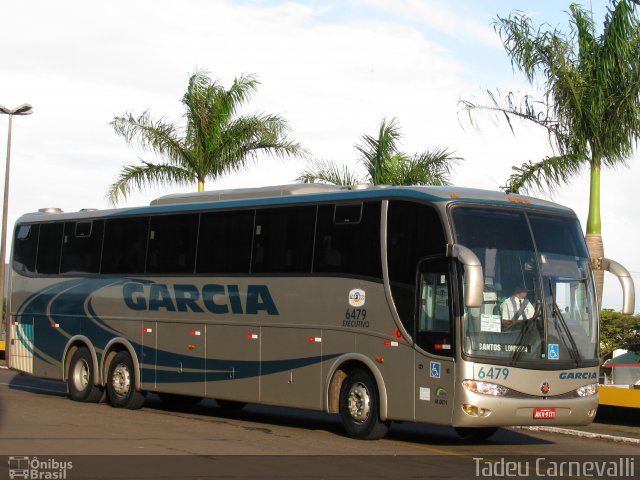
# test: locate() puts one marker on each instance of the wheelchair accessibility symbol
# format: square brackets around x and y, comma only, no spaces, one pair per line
[434,369]
[553,352]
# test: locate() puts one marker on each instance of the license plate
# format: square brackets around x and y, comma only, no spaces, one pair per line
[544,413]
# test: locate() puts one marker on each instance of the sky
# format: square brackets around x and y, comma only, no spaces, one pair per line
[333,69]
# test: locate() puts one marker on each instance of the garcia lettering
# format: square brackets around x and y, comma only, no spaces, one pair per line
[214,298]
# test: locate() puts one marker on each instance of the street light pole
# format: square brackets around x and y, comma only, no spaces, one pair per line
[24,109]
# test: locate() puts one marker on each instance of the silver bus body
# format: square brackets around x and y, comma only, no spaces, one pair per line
[423,323]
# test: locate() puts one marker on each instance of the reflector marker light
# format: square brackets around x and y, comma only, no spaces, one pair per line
[147,330]
[14,324]
[315,339]
[519,200]
[389,343]
[55,325]
[251,336]
[195,333]
[442,346]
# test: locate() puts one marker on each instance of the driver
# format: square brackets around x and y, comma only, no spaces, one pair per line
[516,308]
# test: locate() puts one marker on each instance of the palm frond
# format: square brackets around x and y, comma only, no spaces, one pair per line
[322,171]
[376,152]
[147,174]
[247,137]
[160,137]
[432,167]
[550,173]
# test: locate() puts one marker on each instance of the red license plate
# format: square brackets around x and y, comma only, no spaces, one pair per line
[544,413]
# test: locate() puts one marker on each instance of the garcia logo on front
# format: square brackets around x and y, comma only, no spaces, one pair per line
[357,297]
[37,469]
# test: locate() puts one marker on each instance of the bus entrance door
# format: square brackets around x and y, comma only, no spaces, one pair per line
[433,334]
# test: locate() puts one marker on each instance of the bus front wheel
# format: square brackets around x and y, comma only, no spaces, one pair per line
[121,384]
[80,378]
[359,407]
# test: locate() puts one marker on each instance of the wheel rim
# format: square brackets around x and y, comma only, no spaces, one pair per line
[121,379]
[359,402]
[81,375]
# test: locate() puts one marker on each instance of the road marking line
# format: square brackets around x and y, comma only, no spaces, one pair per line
[580,433]
[27,387]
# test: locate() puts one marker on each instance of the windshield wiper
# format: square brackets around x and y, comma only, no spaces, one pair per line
[557,314]
[523,338]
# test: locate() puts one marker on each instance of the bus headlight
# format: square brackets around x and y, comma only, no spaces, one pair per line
[587,390]
[485,388]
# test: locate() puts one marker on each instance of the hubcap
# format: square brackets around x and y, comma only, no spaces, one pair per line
[121,379]
[359,402]
[81,375]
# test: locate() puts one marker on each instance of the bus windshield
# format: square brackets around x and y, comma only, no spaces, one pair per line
[539,299]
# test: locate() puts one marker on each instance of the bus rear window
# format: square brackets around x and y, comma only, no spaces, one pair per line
[25,247]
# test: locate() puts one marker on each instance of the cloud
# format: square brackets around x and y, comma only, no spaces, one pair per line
[333,77]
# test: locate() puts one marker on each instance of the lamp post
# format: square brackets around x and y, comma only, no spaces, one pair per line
[24,109]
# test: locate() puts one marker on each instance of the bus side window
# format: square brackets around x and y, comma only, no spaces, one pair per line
[25,247]
[348,240]
[434,328]
[224,242]
[49,248]
[172,244]
[414,231]
[81,247]
[283,240]
[125,245]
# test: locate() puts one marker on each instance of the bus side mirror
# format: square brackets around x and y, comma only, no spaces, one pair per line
[628,290]
[473,277]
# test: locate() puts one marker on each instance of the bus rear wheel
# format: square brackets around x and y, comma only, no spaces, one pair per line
[470,433]
[121,383]
[80,378]
[359,407]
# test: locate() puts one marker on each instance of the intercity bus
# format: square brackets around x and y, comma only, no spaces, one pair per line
[379,304]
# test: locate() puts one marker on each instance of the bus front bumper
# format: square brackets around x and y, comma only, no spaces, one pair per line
[476,410]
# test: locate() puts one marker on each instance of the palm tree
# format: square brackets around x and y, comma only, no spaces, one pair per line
[591,107]
[215,140]
[385,164]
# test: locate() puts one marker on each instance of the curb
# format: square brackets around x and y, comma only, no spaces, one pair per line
[582,434]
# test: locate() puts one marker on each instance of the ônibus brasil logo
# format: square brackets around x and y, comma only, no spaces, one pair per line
[33,468]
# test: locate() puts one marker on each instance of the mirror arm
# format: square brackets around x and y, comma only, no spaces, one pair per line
[628,290]
[473,277]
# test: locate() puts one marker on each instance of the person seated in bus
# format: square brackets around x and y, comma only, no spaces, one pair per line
[516,308]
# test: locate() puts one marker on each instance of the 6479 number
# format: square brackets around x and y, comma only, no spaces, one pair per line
[355,314]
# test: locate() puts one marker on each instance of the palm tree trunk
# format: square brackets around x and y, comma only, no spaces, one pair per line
[201,184]
[594,227]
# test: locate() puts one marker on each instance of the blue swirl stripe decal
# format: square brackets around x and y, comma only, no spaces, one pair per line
[68,306]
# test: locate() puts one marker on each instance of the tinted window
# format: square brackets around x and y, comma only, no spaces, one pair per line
[283,240]
[558,235]
[48,258]
[172,244]
[346,247]
[81,247]
[224,243]
[25,247]
[433,331]
[414,231]
[125,245]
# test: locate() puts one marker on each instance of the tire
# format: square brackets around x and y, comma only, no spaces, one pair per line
[231,404]
[121,383]
[80,378]
[359,407]
[470,433]
[179,400]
